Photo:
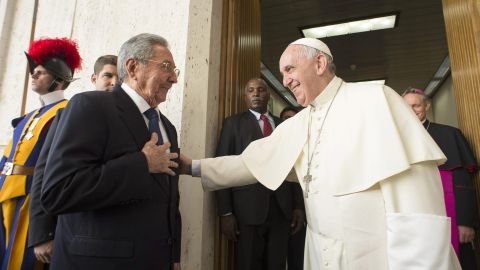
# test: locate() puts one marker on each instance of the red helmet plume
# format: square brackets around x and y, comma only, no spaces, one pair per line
[58,55]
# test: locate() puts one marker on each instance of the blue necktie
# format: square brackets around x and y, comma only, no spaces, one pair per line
[153,125]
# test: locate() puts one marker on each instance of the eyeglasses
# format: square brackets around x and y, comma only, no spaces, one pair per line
[167,67]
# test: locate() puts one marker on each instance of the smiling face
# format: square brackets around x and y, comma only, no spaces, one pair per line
[419,106]
[256,95]
[302,75]
[150,79]
[106,78]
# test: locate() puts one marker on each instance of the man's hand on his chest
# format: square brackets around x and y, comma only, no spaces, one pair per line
[158,159]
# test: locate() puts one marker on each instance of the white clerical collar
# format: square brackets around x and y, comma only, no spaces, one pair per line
[257,114]
[141,103]
[52,97]
[328,93]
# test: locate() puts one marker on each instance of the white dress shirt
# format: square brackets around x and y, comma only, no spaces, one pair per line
[260,121]
[142,106]
[52,97]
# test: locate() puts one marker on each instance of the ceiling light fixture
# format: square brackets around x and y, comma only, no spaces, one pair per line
[351,27]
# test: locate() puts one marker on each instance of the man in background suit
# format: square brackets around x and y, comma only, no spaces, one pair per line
[109,175]
[105,74]
[257,219]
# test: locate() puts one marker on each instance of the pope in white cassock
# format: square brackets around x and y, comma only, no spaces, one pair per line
[367,167]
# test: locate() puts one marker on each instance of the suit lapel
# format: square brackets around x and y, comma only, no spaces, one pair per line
[131,116]
[252,124]
[170,133]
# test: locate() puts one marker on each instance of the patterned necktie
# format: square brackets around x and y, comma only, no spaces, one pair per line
[267,127]
[153,125]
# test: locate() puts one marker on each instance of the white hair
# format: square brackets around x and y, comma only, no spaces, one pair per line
[310,53]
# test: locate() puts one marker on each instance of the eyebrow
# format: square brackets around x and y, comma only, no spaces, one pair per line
[107,73]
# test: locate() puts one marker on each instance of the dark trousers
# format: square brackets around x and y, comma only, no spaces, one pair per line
[264,247]
[467,257]
[296,248]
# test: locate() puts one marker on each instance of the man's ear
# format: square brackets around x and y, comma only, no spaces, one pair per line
[131,66]
[93,78]
[321,64]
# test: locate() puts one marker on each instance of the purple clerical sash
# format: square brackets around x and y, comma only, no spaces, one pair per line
[447,182]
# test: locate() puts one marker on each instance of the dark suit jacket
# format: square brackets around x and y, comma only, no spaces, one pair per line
[113,214]
[250,204]
[41,226]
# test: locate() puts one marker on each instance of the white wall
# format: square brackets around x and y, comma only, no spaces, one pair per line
[444,109]
[15,21]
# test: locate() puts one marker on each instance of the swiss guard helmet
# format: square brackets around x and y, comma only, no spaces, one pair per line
[59,56]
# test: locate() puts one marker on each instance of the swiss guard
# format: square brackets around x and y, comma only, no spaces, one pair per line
[52,62]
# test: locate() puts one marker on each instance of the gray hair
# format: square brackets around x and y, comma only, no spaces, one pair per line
[310,53]
[139,47]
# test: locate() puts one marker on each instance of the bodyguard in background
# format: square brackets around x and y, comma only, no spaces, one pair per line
[259,220]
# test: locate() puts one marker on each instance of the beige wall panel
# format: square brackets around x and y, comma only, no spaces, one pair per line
[443,105]
[16,24]
[199,129]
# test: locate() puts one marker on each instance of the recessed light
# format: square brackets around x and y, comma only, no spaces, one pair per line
[351,27]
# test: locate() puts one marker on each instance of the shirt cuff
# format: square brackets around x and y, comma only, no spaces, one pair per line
[196,168]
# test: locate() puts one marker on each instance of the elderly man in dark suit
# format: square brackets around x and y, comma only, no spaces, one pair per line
[110,172]
[258,219]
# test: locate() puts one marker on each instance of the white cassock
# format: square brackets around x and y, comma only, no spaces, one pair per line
[376,199]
